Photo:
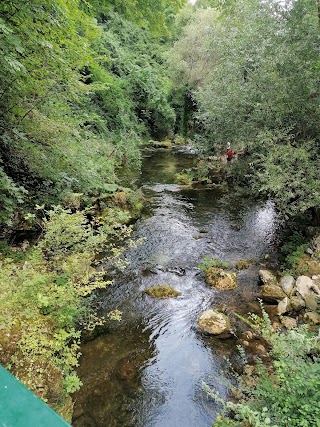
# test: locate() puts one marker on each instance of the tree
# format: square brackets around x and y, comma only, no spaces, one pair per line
[263,79]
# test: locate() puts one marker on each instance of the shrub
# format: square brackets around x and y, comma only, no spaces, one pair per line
[45,297]
[294,251]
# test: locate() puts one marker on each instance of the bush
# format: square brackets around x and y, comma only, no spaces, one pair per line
[294,251]
[45,297]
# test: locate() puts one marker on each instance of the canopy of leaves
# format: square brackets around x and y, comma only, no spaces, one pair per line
[255,79]
[77,97]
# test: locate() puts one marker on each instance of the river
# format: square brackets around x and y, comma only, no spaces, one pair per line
[148,369]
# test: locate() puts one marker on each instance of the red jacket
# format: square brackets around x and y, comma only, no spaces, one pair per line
[229,154]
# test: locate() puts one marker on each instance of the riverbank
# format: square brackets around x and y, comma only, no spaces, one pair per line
[156,349]
[46,290]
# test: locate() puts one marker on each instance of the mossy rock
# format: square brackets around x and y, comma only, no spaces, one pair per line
[162,291]
[245,263]
[272,293]
[66,410]
[162,144]
[214,323]
[221,279]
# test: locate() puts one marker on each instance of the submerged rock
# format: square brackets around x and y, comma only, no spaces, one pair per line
[245,263]
[178,271]
[215,323]
[220,279]
[162,291]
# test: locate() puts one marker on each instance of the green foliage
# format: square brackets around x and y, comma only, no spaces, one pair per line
[137,62]
[208,262]
[254,80]
[76,97]
[293,251]
[10,196]
[72,383]
[286,170]
[287,392]
[45,297]
[184,178]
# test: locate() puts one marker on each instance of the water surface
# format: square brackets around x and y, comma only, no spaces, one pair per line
[147,371]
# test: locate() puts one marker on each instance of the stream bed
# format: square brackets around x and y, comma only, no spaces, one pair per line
[148,369]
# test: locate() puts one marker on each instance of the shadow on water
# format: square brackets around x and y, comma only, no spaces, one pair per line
[148,369]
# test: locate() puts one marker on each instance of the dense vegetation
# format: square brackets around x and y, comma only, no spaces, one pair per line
[253,70]
[84,84]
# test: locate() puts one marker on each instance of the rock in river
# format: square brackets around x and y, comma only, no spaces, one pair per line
[220,279]
[215,323]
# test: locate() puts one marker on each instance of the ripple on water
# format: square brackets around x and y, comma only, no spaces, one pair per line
[147,371]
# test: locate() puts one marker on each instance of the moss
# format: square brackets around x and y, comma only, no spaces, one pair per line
[66,410]
[208,262]
[245,263]
[220,279]
[179,140]
[162,144]
[162,291]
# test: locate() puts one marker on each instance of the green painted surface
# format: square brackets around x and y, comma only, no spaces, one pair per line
[19,407]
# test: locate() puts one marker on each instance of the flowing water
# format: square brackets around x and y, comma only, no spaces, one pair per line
[148,369]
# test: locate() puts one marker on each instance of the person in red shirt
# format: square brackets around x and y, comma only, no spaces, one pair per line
[229,152]
[229,155]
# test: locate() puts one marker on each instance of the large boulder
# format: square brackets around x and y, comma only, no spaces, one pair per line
[266,277]
[220,279]
[287,284]
[272,293]
[214,323]
[306,286]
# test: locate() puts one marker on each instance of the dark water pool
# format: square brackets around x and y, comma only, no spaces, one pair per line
[147,371]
